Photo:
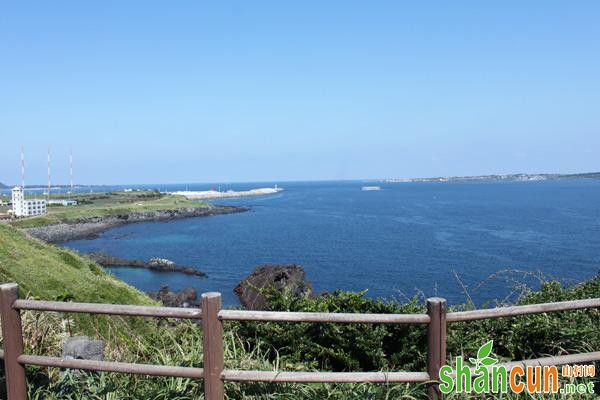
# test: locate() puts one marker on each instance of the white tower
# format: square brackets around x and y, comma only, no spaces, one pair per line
[20,206]
[18,201]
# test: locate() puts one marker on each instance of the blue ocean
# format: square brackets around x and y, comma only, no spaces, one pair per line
[462,241]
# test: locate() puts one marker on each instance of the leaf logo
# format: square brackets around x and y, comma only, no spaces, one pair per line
[483,356]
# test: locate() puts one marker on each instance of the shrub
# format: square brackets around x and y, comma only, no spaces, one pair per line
[365,347]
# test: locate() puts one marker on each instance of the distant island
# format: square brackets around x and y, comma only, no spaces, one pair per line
[505,178]
[3,186]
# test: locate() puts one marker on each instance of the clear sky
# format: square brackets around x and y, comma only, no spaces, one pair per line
[194,91]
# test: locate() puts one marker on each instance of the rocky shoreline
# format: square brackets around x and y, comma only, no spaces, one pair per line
[288,277]
[90,228]
[155,264]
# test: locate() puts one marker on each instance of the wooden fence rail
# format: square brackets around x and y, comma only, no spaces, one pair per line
[212,317]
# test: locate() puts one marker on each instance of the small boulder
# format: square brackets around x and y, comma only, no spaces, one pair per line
[83,348]
[281,277]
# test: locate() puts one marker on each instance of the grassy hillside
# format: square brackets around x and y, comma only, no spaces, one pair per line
[52,273]
[111,203]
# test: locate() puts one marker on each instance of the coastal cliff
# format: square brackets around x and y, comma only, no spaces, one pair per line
[91,227]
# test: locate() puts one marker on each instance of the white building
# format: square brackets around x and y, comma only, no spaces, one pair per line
[26,208]
[63,202]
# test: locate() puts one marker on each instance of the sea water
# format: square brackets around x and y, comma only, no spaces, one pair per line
[443,239]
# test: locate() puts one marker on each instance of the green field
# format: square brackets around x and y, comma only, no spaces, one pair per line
[109,203]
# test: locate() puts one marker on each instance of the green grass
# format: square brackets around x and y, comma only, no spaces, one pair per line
[49,272]
[103,204]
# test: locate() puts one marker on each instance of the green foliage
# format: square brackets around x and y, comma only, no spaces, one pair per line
[398,347]
[340,347]
[538,335]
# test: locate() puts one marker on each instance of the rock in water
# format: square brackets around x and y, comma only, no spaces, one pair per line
[155,263]
[290,277]
[185,298]
[82,348]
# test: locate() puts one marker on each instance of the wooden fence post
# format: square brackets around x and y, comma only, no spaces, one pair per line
[212,328]
[436,342]
[12,333]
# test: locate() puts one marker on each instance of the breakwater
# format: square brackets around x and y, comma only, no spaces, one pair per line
[215,194]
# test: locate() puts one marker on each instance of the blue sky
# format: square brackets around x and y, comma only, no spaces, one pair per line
[190,91]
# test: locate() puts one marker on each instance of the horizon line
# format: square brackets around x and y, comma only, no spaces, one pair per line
[41,186]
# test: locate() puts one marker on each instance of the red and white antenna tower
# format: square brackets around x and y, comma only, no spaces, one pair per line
[22,168]
[49,181]
[71,169]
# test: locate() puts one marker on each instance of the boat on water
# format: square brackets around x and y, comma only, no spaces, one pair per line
[370,188]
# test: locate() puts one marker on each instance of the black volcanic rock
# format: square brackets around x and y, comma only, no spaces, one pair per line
[185,298]
[156,264]
[91,227]
[281,277]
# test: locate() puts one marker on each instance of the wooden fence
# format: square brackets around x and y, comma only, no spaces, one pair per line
[212,317]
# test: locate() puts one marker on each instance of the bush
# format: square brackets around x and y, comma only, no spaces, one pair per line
[340,347]
[362,347]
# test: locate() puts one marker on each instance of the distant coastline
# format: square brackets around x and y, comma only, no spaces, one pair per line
[499,178]
[217,194]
